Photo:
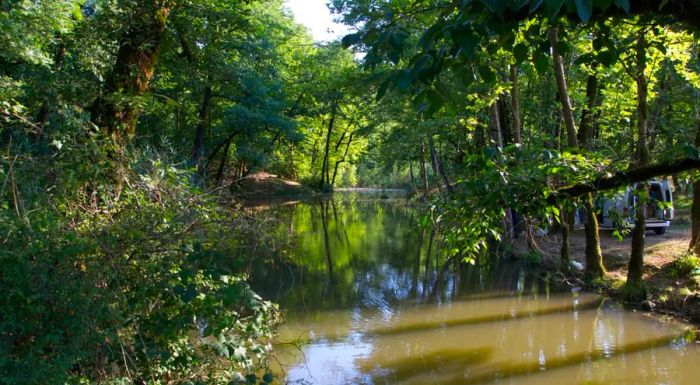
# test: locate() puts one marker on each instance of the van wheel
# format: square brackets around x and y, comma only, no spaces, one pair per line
[660,230]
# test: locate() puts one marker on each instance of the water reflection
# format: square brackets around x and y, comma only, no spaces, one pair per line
[378,303]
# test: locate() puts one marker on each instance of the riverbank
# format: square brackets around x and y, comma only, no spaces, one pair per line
[672,287]
[262,189]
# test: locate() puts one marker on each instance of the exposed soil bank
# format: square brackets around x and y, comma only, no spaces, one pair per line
[667,294]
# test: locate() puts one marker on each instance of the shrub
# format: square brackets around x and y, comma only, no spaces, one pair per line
[685,266]
[141,281]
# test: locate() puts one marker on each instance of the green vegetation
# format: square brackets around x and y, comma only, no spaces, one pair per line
[685,267]
[125,126]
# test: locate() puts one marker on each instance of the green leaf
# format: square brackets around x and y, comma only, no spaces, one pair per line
[584,9]
[404,79]
[535,5]
[602,4]
[597,44]
[351,39]
[563,47]
[541,62]
[384,87]
[606,58]
[552,7]
[623,4]
[487,73]
[268,377]
[586,58]
[520,53]
[397,38]
[467,42]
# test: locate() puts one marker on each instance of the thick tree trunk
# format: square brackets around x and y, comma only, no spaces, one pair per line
[198,150]
[137,57]
[437,167]
[634,286]
[563,89]
[594,256]
[585,132]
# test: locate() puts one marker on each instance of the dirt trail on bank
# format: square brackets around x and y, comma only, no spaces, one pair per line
[667,294]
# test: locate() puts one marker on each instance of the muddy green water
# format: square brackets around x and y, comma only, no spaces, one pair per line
[369,299]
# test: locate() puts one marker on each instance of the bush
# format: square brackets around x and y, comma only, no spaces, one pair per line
[139,281]
[685,266]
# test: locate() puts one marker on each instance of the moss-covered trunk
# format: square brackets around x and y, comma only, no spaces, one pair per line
[594,256]
[115,110]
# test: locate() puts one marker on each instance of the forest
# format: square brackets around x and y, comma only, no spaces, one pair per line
[128,129]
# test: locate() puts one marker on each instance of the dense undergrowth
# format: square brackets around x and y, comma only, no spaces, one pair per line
[136,278]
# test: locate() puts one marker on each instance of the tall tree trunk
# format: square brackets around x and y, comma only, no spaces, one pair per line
[518,140]
[585,132]
[198,150]
[292,168]
[133,70]
[342,160]
[695,209]
[594,255]
[222,164]
[658,108]
[413,179]
[497,130]
[423,171]
[515,102]
[325,180]
[437,167]
[635,287]
[505,123]
[563,89]
[568,117]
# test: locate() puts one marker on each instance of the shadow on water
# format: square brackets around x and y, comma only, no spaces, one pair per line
[445,361]
[380,303]
[591,304]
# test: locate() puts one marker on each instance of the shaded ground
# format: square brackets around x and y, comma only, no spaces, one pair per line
[264,187]
[667,294]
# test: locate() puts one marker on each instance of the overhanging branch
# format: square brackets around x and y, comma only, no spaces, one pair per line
[623,178]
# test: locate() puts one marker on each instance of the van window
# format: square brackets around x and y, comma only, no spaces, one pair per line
[656,193]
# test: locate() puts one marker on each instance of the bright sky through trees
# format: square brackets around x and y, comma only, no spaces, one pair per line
[316,16]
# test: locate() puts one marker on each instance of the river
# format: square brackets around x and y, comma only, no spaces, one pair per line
[369,298]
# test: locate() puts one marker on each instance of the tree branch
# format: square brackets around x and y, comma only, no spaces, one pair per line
[623,178]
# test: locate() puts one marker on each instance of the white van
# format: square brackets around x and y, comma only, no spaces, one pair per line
[619,210]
